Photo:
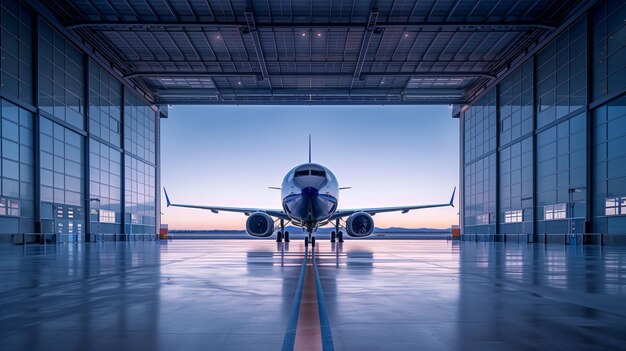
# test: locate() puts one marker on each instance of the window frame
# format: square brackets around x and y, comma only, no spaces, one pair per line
[513,216]
[106,216]
[619,205]
[10,207]
[555,212]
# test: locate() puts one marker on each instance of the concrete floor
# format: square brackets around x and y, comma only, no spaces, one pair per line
[379,295]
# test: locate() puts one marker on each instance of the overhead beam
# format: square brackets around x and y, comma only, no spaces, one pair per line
[307,61]
[212,25]
[203,92]
[459,74]
[321,101]
[257,45]
[365,44]
[305,96]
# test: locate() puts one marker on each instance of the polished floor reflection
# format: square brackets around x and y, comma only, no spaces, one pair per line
[239,294]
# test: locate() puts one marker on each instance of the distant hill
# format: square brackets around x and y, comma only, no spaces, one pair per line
[293,229]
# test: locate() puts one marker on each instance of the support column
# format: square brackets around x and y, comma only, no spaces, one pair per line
[36,128]
[87,155]
[590,131]
[534,152]
[462,175]
[157,173]
[496,88]
[123,161]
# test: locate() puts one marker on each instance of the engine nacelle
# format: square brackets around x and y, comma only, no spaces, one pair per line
[260,224]
[359,225]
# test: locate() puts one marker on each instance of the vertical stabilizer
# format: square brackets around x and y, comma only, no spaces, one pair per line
[309,148]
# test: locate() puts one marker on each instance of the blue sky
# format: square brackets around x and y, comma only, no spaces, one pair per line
[229,155]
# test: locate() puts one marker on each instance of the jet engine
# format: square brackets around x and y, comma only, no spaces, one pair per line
[260,224]
[359,225]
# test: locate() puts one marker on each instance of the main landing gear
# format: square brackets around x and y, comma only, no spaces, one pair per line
[336,234]
[282,234]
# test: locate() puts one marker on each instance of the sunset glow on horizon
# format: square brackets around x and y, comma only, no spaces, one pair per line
[389,155]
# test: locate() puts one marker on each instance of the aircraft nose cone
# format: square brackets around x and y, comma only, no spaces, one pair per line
[310,191]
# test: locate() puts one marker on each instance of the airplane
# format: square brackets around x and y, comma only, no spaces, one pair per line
[310,194]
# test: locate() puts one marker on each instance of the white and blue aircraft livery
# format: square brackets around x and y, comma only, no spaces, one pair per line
[310,195]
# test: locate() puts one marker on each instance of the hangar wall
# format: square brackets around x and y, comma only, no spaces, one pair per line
[544,150]
[79,148]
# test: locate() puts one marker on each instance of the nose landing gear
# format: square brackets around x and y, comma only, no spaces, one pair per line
[309,239]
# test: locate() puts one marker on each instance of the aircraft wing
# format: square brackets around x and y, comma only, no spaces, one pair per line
[215,209]
[404,209]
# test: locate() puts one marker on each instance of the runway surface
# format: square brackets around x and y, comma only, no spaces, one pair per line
[359,295]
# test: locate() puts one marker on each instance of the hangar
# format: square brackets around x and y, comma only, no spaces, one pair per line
[537,86]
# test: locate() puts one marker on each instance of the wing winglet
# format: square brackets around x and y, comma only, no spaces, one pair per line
[452,199]
[167,198]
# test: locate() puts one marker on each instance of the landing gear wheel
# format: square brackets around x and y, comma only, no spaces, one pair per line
[306,241]
[340,236]
[332,236]
[313,241]
[279,236]
[286,237]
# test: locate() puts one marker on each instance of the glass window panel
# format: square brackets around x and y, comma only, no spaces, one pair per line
[617,147]
[59,164]
[10,111]
[577,159]
[10,169]
[617,167]
[59,196]
[72,183]
[10,150]
[10,130]
[47,178]
[26,173]
[578,141]
[73,168]
[10,188]
[45,126]
[59,148]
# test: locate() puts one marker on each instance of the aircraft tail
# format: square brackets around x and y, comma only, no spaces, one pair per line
[309,148]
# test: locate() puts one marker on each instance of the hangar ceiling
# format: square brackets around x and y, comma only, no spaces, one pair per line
[310,52]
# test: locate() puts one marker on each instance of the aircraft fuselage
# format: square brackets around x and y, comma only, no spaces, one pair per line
[310,195]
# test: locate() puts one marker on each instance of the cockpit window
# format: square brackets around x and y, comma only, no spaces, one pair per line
[302,173]
[313,172]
